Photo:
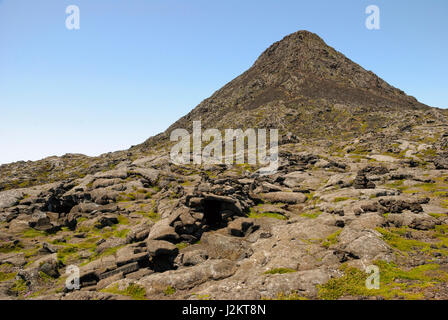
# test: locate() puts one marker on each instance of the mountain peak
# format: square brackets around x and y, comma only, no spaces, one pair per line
[301,85]
[304,58]
[292,45]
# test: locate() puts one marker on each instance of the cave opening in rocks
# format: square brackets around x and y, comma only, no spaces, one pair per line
[212,213]
[162,263]
[58,205]
[89,279]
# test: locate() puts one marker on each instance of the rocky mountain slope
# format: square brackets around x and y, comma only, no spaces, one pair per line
[302,86]
[363,180]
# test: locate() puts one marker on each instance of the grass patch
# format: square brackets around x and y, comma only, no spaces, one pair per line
[121,234]
[340,199]
[396,238]
[311,215]
[19,288]
[280,271]
[33,233]
[134,291]
[437,215]
[169,291]
[437,189]
[153,216]
[441,233]
[108,252]
[10,247]
[258,215]
[182,245]
[331,239]
[187,183]
[4,276]
[70,251]
[444,204]
[148,195]
[123,220]
[395,283]
[45,277]
[5,272]
[126,197]
[398,184]
[443,194]
[428,187]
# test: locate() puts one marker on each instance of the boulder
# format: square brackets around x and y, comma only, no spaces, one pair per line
[421,221]
[16,259]
[90,273]
[106,221]
[239,227]
[103,283]
[399,204]
[112,242]
[139,232]
[219,246]
[50,269]
[294,179]
[124,269]
[305,283]
[183,279]
[132,253]
[160,247]
[163,231]
[151,175]
[362,182]
[104,196]
[162,255]
[441,163]
[191,257]
[103,183]
[366,244]
[120,173]
[341,179]
[40,221]
[10,198]
[18,226]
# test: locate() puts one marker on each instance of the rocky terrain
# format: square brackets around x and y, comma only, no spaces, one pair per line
[363,180]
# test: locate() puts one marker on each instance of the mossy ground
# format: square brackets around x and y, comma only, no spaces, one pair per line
[280,271]
[134,291]
[408,241]
[341,199]
[153,216]
[331,239]
[400,280]
[10,247]
[7,272]
[311,215]
[71,251]
[19,288]
[169,291]
[395,282]
[182,245]
[257,215]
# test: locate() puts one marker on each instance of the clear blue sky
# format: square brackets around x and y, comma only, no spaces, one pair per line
[136,66]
